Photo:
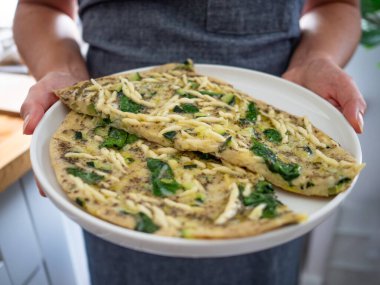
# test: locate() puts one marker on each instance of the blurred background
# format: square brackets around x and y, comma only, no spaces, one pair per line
[40,246]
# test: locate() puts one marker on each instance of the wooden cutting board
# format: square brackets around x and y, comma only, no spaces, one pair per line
[14,146]
[14,150]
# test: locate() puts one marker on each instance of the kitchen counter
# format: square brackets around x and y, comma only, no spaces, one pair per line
[14,150]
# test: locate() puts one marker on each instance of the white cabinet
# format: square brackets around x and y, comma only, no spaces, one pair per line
[39,278]
[61,246]
[4,278]
[38,245]
[18,243]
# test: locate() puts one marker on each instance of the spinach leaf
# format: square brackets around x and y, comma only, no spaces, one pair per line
[131,138]
[190,166]
[263,151]
[336,189]
[178,109]
[78,136]
[199,200]
[186,108]
[103,122]
[288,171]
[90,164]
[343,180]
[264,187]
[116,139]
[127,105]
[263,194]
[106,121]
[273,135]
[170,135]
[145,224]
[87,177]
[80,202]
[251,113]
[162,178]
[206,156]
[193,84]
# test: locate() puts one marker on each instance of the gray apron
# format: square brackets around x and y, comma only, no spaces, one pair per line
[257,34]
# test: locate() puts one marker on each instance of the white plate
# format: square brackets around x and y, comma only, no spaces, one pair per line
[273,90]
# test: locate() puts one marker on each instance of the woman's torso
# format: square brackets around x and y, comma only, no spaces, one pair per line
[259,34]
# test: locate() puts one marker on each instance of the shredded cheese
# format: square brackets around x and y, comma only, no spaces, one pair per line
[141,198]
[159,217]
[327,159]
[166,150]
[181,206]
[232,207]
[257,212]
[80,155]
[108,193]
[247,190]
[89,190]
[131,93]
[170,128]
[115,158]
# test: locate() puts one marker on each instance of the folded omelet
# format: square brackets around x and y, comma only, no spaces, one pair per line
[174,106]
[141,185]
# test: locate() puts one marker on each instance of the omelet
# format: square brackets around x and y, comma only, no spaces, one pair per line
[176,107]
[140,185]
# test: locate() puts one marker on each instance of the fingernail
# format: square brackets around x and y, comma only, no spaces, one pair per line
[26,121]
[360,120]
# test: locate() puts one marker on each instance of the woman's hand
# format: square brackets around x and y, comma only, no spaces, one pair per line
[39,100]
[41,97]
[328,80]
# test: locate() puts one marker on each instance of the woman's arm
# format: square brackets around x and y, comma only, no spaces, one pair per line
[330,33]
[46,36]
